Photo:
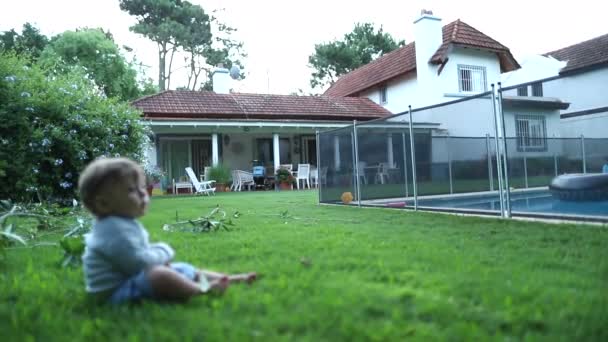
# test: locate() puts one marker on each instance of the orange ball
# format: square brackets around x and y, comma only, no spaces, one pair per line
[347,197]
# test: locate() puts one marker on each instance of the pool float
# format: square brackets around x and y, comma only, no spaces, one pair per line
[580,187]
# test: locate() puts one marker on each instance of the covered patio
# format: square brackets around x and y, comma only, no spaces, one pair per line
[201,129]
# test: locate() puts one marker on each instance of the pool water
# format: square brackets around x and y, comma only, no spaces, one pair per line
[526,202]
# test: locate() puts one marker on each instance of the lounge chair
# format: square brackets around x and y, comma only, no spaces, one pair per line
[200,187]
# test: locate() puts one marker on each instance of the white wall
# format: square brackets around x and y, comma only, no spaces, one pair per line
[591,126]
[400,93]
[584,91]
[552,125]
[405,91]
[448,79]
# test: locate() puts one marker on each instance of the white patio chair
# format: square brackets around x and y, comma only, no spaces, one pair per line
[382,174]
[303,174]
[200,187]
[286,166]
[245,179]
[235,180]
[314,177]
[361,166]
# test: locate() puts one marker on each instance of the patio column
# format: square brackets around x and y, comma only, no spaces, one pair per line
[337,152]
[389,150]
[275,150]
[215,158]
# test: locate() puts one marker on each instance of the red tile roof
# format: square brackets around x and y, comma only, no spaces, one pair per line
[184,104]
[590,53]
[403,60]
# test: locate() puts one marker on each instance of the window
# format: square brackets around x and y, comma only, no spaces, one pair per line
[264,151]
[537,89]
[531,131]
[471,78]
[383,99]
[522,91]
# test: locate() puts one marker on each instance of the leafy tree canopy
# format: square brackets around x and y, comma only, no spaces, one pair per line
[30,41]
[357,48]
[177,25]
[97,52]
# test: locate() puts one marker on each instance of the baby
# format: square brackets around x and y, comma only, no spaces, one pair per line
[120,264]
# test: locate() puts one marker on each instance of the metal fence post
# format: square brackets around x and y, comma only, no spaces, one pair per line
[413,156]
[490,171]
[525,167]
[318,148]
[583,151]
[405,163]
[356,161]
[449,164]
[555,163]
[504,154]
[498,162]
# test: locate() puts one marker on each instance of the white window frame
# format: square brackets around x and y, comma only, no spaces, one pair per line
[383,95]
[472,79]
[537,89]
[531,133]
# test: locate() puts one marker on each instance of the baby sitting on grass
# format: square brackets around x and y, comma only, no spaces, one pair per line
[120,264]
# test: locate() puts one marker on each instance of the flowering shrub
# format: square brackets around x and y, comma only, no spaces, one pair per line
[284,176]
[153,173]
[52,125]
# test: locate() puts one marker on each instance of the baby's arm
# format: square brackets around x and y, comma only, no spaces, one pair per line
[130,252]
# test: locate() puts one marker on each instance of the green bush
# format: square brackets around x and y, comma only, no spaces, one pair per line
[220,174]
[52,125]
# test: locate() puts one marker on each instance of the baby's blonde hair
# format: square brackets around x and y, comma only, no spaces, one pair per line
[101,172]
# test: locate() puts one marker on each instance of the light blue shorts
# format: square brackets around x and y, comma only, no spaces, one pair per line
[138,287]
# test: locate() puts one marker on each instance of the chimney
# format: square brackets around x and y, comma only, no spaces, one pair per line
[428,36]
[221,80]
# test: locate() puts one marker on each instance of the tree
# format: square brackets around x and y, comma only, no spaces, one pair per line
[30,41]
[220,49]
[359,47]
[175,25]
[163,22]
[95,50]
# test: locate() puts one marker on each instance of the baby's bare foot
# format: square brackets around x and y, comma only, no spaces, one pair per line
[244,277]
[219,285]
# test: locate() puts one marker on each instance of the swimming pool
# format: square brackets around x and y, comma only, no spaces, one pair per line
[523,203]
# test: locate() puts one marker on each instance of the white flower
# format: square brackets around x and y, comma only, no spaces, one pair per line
[82,155]
[29,109]
[46,142]
[65,185]
[74,86]
[58,162]
[35,170]
[111,146]
[10,78]
[25,94]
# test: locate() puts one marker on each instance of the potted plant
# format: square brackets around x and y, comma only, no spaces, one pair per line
[153,175]
[221,175]
[284,177]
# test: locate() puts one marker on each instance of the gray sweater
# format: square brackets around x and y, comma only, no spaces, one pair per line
[116,249]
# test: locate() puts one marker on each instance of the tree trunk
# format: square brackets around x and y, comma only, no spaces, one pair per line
[162,53]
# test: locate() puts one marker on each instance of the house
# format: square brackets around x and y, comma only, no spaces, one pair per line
[577,74]
[203,128]
[446,64]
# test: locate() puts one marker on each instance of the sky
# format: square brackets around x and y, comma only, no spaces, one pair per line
[280,35]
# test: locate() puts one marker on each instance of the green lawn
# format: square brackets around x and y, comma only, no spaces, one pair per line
[368,274]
